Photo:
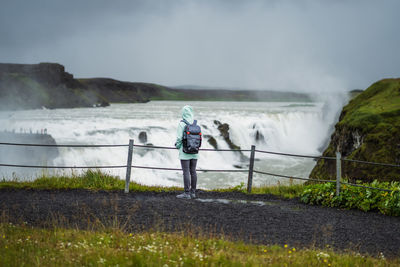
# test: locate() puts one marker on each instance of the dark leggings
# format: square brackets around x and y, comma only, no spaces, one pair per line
[189,167]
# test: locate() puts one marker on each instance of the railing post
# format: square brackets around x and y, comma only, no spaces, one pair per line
[338,171]
[128,166]
[251,166]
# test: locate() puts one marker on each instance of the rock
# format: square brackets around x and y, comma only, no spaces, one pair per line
[224,130]
[368,130]
[211,140]
[28,86]
[259,137]
[102,104]
[143,137]
[115,91]
[30,155]
[218,123]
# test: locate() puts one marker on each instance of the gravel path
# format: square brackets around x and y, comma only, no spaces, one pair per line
[254,218]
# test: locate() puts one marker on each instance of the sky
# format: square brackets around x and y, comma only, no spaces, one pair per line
[291,45]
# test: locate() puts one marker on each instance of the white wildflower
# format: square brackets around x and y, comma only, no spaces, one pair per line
[322,255]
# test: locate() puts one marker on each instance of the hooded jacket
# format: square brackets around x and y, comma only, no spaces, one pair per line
[187,114]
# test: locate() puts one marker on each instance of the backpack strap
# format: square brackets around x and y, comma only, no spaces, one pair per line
[187,123]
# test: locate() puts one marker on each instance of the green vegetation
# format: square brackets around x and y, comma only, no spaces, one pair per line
[380,103]
[165,93]
[285,191]
[97,180]
[369,130]
[91,179]
[352,197]
[22,245]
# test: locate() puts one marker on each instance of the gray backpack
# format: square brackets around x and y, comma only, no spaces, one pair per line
[191,137]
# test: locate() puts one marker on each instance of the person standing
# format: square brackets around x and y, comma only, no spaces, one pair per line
[189,159]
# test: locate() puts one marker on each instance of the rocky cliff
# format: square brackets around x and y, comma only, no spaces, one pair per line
[115,91]
[368,130]
[27,86]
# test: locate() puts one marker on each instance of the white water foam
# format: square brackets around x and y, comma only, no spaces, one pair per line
[286,127]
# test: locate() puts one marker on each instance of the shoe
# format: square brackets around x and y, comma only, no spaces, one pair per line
[184,195]
[193,195]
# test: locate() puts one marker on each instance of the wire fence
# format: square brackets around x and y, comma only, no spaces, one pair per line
[250,171]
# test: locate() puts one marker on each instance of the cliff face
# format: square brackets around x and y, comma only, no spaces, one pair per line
[30,86]
[24,86]
[49,74]
[368,130]
[115,91]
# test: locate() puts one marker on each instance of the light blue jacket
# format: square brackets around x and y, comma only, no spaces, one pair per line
[187,114]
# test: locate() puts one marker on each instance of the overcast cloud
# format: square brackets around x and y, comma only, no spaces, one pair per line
[310,45]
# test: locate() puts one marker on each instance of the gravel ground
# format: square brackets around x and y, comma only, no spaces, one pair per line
[253,218]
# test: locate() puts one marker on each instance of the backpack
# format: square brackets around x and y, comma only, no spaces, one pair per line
[191,137]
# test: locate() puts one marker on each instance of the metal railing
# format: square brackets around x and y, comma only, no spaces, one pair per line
[250,171]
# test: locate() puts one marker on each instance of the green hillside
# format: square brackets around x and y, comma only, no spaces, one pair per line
[368,130]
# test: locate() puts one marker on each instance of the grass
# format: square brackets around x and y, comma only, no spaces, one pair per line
[369,130]
[285,191]
[22,245]
[91,179]
[377,103]
[97,180]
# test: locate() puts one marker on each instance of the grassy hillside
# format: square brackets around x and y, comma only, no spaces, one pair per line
[30,86]
[368,130]
[115,91]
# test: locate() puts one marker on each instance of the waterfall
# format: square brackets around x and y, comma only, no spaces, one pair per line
[275,126]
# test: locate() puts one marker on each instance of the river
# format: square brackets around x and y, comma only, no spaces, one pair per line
[289,127]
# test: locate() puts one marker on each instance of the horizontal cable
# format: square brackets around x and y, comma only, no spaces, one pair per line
[373,163]
[110,167]
[176,169]
[155,168]
[293,177]
[161,147]
[48,145]
[358,185]
[202,149]
[328,181]
[234,150]
[294,155]
[62,167]
[206,149]
[330,158]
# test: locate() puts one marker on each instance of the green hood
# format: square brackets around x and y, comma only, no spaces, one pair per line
[187,114]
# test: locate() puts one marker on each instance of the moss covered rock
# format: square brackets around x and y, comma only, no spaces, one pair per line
[368,130]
